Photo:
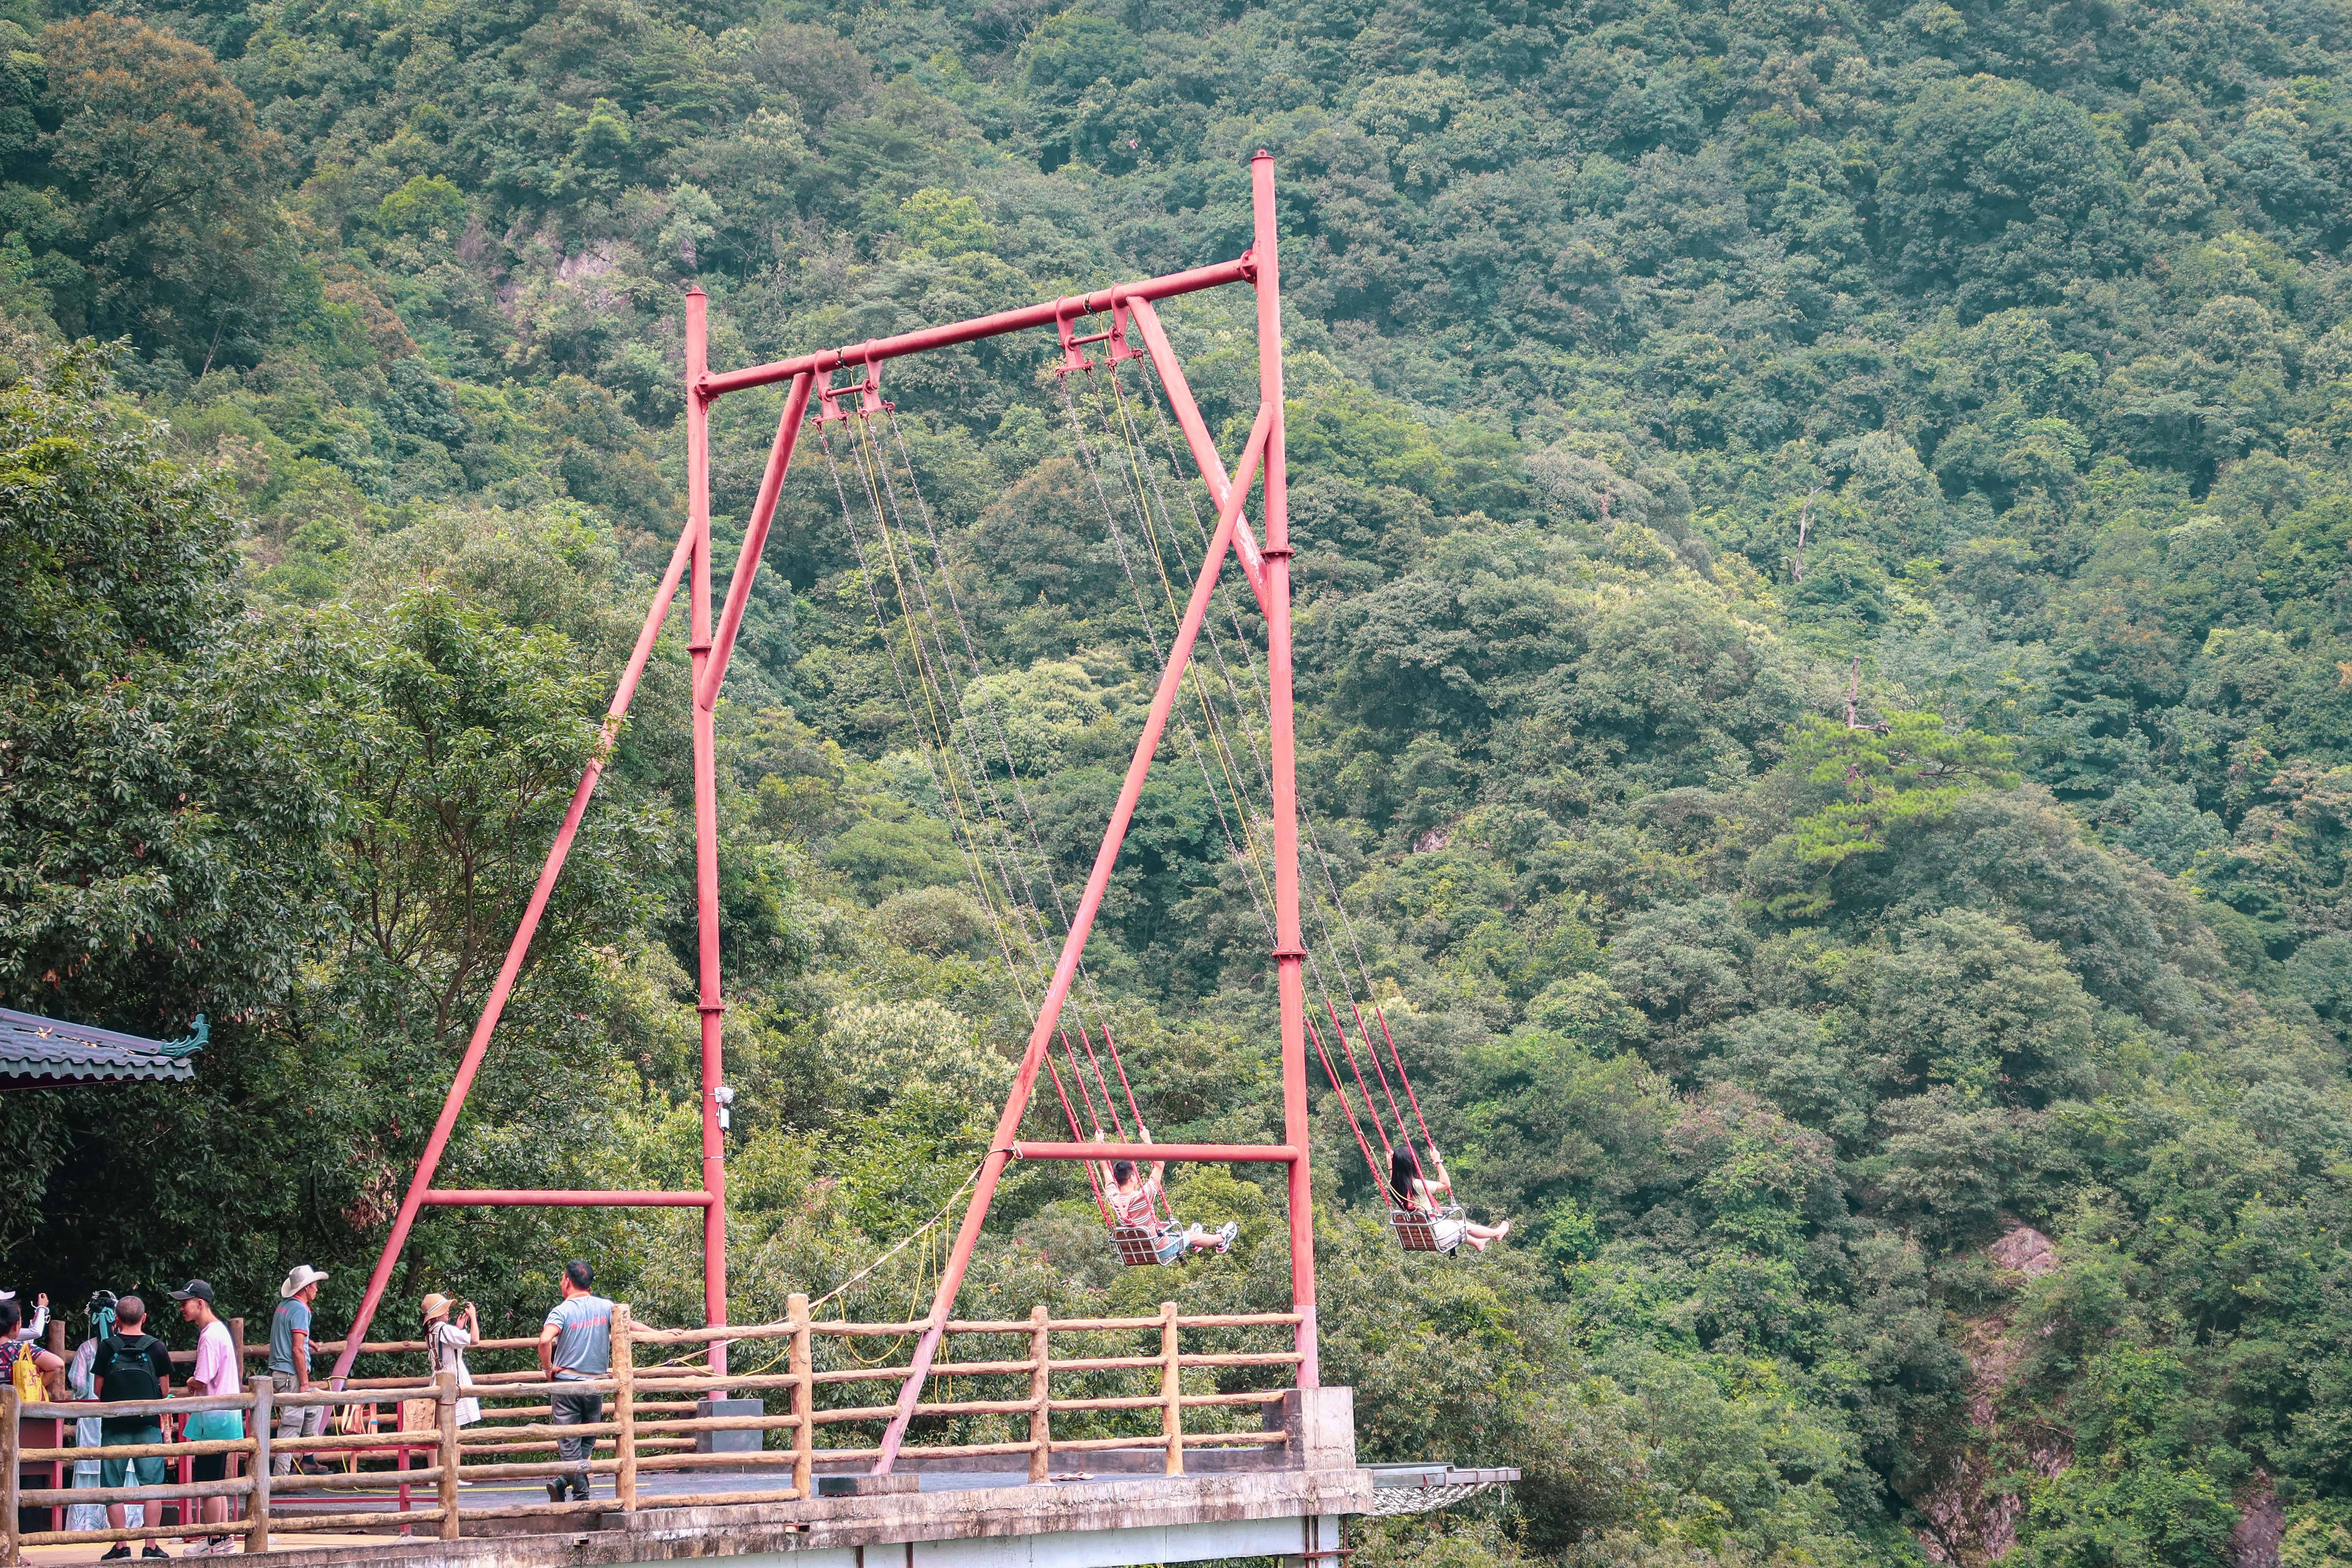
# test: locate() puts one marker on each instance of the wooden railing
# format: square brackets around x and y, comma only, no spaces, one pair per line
[1001,1405]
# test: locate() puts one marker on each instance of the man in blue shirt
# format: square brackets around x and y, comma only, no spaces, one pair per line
[289,1365]
[575,1344]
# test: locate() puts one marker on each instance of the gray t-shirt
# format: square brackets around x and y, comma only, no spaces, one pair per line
[291,1315]
[583,1337]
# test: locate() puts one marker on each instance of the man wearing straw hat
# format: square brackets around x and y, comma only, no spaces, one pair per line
[289,1365]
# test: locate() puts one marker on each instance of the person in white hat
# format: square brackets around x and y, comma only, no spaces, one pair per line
[289,1364]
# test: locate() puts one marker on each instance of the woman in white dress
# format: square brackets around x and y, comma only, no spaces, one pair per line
[446,1344]
[1412,1189]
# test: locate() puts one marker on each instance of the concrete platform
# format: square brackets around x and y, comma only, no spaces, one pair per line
[960,1512]
[1080,1524]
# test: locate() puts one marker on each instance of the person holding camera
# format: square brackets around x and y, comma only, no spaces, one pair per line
[444,1344]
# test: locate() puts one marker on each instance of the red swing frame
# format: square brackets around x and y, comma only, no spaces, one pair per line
[710,645]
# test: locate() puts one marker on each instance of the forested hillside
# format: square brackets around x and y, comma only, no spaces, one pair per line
[1927,1121]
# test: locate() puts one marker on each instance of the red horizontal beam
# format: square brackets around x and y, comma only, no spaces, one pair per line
[500,1198]
[825,362]
[1203,1153]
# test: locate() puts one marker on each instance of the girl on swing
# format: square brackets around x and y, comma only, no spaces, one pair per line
[1412,1190]
[1133,1197]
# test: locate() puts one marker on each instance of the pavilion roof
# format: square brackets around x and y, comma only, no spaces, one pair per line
[37,1052]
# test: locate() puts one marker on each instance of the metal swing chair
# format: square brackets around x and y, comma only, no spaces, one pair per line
[1155,1245]
[1441,1229]
[1420,1230]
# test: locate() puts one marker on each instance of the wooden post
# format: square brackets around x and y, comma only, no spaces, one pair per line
[624,1398]
[12,1550]
[444,1396]
[1041,1414]
[256,1527]
[1172,1389]
[804,1374]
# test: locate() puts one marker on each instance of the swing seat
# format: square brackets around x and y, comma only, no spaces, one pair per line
[1141,1248]
[1417,1230]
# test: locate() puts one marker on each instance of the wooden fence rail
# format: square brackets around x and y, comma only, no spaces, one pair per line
[650,1415]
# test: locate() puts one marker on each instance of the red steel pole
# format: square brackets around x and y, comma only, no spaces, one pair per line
[560,1197]
[1290,949]
[706,827]
[1200,1153]
[1073,945]
[454,1101]
[1196,436]
[1043,314]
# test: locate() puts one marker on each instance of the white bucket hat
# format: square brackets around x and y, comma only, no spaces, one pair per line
[302,1277]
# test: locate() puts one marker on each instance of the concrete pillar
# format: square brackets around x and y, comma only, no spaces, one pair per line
[1320,1425]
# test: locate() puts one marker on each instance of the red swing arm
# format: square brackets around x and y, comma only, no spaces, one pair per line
[711,645]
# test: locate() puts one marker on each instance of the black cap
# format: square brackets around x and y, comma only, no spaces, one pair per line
[195,1289]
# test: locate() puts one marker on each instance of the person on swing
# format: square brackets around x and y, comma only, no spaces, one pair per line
[1134,1198]
[1410,1189]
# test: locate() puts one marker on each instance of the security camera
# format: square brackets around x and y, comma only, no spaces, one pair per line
[723,1094]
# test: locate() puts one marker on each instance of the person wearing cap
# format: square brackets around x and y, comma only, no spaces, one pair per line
[215,1375]
[575,1345]
[445,1343]
[289,1365]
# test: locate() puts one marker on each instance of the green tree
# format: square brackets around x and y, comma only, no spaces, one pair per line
[2000,191]
[165,189]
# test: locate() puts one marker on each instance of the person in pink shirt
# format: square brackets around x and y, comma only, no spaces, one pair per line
[216,1372]
[1134,1199]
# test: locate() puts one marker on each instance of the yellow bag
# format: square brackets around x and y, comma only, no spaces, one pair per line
[25,1374]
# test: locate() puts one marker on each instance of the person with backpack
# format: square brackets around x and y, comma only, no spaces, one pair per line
[32,1369]
[214,1374]
[132,1363]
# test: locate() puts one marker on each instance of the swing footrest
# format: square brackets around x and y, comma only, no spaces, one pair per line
[1418,1230]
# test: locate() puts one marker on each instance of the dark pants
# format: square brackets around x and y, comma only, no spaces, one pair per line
[577,1410]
